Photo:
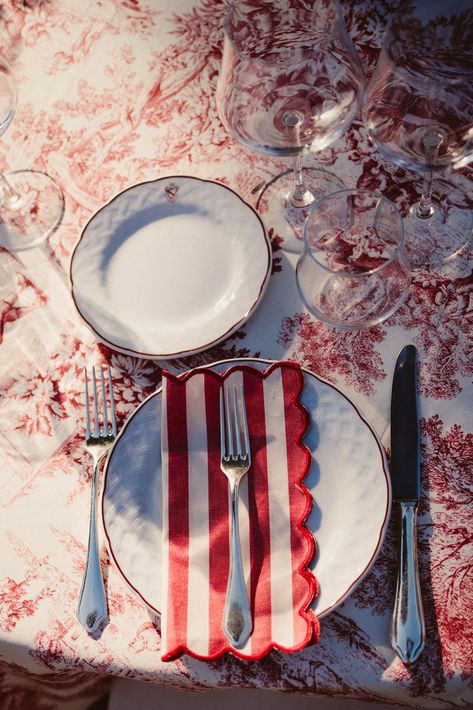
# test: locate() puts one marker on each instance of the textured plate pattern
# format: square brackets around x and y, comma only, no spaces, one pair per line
[348,481]
[201,262]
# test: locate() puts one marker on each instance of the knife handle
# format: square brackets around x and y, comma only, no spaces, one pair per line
[408,624]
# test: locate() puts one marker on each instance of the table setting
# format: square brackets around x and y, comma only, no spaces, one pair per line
[236,412]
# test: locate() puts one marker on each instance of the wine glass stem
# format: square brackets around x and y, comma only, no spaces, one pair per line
[8,195]
[302,196]
[424,208]
[433,138]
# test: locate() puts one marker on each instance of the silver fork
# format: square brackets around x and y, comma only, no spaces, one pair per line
[92,608]
[235,460]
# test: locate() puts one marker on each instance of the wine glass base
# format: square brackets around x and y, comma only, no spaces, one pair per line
[343,301]
[437,243]
[33,212]
[285,221]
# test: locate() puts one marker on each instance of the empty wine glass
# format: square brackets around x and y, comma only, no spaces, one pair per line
[419,111]
[31,203]
[290,82]
[353,272]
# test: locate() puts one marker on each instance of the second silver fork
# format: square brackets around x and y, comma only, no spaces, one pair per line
[235,461]
[92,608]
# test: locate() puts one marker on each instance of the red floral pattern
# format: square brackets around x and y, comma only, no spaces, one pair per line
[18,294]
[351,354]
[112,94]
[441,311]
[445,540]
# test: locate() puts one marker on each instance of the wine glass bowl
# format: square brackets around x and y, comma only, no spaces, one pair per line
[418,109]
[353,272]
[8,97]
[290,82]
[282,111]
[421,121]
[31,202]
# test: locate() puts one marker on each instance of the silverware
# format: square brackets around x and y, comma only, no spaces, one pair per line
[235,462]
[408,625]
[92,608]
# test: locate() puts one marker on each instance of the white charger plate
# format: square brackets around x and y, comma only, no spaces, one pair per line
[170,267]
[348,480]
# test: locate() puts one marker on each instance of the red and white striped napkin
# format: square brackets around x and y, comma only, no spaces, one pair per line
[274,504]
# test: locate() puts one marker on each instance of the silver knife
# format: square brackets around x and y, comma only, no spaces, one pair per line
[408,624]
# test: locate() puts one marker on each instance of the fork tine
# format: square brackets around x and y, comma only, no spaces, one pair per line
[112,403]
[246,437]
[87,412]
[96,406]
[236,422]
[228,418]
[104,404]
[222,427]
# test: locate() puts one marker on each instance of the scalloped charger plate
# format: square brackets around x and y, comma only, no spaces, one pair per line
[348,481]
[170,267]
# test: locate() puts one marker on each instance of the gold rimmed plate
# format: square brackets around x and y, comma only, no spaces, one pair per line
[170,267]
[348,481]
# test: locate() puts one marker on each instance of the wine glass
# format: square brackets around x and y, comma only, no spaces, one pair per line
[418,109]
[353,272]
[290,82]
[31,203]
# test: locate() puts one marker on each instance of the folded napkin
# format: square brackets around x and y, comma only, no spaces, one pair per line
[274,504]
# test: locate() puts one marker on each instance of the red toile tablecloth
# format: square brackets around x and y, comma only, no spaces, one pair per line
[110,94]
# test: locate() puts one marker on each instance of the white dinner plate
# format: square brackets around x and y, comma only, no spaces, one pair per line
[348,480]
[170,267]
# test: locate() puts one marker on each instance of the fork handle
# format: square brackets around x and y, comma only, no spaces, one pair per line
[92,608]
[237,621]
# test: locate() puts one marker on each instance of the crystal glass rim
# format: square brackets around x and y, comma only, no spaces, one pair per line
[11,77]
[338,25]
[353,274]
[442,82]
[387,48]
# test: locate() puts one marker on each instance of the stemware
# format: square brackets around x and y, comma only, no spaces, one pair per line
[290,82]
[31,203]
[419,111]
[353,272]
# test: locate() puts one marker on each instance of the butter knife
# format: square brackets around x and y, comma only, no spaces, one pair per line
[408,624]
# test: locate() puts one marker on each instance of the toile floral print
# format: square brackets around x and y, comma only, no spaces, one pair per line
[112,93]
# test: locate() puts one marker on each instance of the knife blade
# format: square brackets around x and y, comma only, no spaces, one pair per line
[408,624]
